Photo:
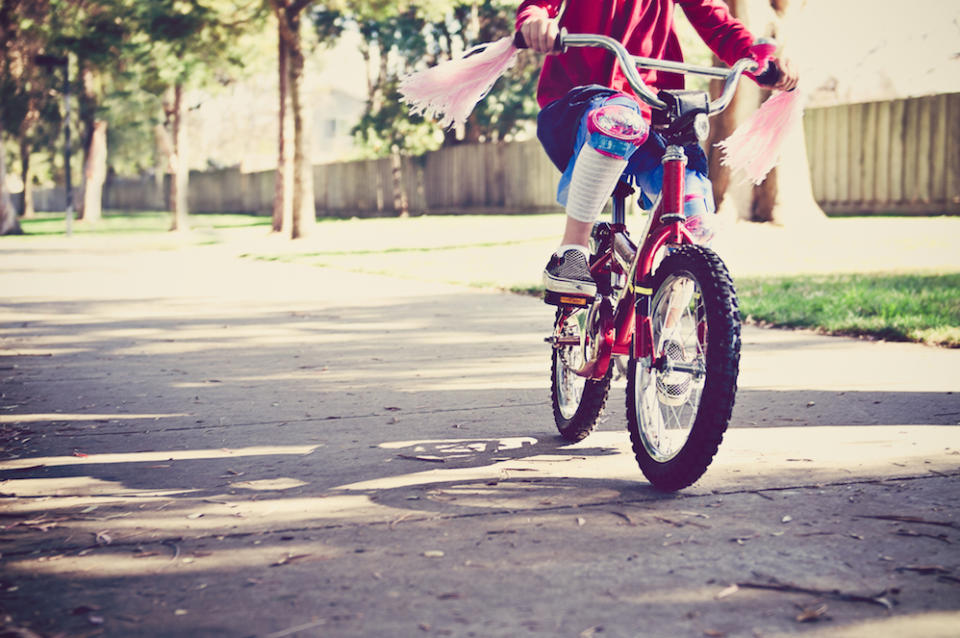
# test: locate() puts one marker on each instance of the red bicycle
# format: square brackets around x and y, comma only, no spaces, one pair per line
[667,306]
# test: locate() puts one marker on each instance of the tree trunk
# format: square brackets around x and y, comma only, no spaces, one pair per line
[179,182]
[282,184]
[162,165]
[788,190]
[304,206]
[733,196]
[400,200]
[786,196]
[26,173]
[9,224]
[87,111]
[95,173]
[303,210]
[789,198]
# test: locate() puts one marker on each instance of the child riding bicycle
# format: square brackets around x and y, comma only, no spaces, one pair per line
[596,130]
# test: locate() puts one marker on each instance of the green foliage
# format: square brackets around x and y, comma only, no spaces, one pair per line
[96,32]
[132,51]
[124,55]
[695,51]
[404,37]
[392,125]
[192,42]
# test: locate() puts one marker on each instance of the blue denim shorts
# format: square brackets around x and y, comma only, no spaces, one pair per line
[562,130]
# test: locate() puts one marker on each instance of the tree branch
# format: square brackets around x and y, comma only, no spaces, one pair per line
[280,9]
[297,6]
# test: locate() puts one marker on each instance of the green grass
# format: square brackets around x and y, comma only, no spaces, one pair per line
[896,307]
[123,222]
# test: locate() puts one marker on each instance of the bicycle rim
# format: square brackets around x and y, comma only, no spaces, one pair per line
[667,400]
[569,385]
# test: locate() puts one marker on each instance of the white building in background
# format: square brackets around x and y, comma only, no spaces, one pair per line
[237,125]
[334,113]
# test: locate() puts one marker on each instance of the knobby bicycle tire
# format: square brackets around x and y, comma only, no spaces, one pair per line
[721,312]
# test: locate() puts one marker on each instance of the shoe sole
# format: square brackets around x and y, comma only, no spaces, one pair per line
[568,287]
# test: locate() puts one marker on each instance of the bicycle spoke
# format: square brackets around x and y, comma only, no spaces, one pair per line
[676,420]
[669,398]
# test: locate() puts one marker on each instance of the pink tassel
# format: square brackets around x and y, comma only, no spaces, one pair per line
[755,147]
[450,90]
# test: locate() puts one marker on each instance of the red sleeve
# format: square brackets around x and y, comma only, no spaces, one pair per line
[527,8]
[725,35]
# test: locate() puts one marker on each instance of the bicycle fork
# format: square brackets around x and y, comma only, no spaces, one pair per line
[664,227]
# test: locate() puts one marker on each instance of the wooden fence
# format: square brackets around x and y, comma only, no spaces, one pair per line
[900,156]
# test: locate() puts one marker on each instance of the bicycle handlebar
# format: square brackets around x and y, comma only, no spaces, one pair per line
[628,63]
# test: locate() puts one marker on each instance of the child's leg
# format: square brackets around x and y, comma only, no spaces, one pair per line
[609,134]
[576,232]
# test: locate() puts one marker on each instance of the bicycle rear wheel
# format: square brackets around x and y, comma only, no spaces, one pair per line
[679,404]
[577,401]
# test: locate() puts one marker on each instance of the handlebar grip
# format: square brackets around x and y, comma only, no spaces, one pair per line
[521,43]
[770,75]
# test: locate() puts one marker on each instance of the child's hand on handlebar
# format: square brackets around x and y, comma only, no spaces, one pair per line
[788,75]
[540,33]
[778,75]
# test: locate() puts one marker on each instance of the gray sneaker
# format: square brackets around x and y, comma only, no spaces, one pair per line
[569,274]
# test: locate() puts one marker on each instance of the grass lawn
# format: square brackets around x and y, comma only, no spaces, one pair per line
[113,222]
[895,307]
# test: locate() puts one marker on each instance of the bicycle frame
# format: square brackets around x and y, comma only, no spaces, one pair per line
[624,324]
[625,328]
[664,310]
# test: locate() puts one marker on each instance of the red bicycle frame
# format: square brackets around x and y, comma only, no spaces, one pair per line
[625,330]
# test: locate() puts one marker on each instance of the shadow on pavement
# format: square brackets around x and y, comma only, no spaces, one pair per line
[393,463]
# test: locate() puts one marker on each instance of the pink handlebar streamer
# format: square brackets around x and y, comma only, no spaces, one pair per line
[755,146]
[450,90]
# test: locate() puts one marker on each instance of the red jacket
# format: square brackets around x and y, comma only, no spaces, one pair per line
[645,27]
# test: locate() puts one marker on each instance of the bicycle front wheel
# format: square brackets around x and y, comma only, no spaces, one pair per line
[679,402]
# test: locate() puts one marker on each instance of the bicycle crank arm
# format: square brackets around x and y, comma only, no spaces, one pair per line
[562,342]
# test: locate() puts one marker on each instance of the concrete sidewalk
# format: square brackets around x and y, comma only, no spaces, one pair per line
[200,445]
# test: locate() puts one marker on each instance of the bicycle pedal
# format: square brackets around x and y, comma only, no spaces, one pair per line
[562,299]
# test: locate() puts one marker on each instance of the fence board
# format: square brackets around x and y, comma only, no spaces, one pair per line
[869,154]
[854,154]
[830,153]
[809,139]
[895,174]
[911,153]
[818,159]
[952,164]
[923,158]
[881,187]
[842,132]
[938,151]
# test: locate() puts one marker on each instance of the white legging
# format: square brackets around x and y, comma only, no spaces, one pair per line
[594,177]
